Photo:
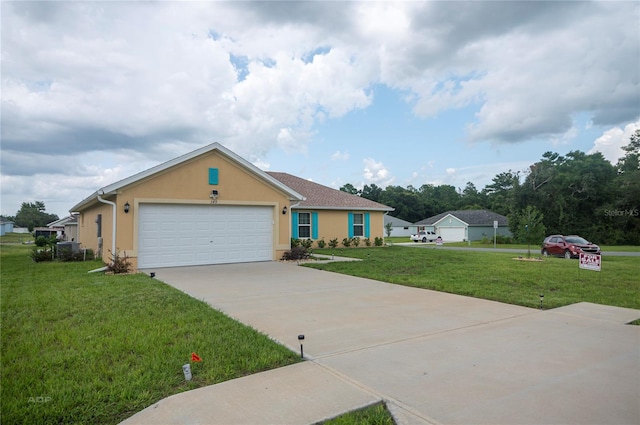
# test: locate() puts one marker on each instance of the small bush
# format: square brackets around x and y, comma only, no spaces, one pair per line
[306,244]
[65,254]
[42,241]
[295,242]
[333,243]
[346,242]
[321,243]
[41,254]
[378,241]
[296,253]
[119,264]
[367,242]
[355,242]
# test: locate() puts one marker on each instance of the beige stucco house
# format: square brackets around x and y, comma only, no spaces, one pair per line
[211,206]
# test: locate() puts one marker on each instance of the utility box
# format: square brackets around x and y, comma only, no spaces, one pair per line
[73,247]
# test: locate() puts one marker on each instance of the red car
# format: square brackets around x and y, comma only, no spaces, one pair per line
[568,246]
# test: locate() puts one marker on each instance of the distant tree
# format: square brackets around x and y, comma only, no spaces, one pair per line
[372,192]
[527,226]
[32,214]
[349,188]
[501,193]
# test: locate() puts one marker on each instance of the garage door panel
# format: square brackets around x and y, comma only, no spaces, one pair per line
[174,235]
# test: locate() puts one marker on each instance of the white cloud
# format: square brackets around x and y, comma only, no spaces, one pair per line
[451,171]
[340,156]
[611,142]
[376,173]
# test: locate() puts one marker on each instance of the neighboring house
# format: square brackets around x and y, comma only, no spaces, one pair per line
[211,206]
[5,227]
[66,228]
[465,225]
[400,227]
[327,213]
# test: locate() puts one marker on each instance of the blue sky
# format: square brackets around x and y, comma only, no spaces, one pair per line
[385,93]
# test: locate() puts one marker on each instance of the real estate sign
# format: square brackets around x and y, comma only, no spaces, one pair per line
[590,261]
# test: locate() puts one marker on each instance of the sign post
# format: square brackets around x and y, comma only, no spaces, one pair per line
[495,227]
[590,261]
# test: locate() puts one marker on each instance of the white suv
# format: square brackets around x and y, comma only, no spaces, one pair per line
[424,237]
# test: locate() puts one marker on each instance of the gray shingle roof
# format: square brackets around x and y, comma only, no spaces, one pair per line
[471,217]
[396,222]
[323,197]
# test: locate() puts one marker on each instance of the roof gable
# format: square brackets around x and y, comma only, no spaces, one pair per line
[114,187]
[318,196]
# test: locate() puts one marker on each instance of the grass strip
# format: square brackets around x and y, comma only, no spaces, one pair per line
[495,276]
[375,414]
[90,348]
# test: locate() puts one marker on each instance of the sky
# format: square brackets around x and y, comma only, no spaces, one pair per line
[384,93]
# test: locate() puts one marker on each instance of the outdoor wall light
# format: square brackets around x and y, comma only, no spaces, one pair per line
[126,208]
[301,338]
[541,299]
[284,210]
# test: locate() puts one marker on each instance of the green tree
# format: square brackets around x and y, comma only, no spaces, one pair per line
[527,226]
[32,214]
[349,188]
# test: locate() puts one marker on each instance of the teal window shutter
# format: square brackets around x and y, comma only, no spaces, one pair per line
[314,225]
[367,231]
[350,225]
[213,176]
[294,225]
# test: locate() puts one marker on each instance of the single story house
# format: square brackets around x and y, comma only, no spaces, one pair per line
[211,206]
[67,228]
[465,225]
[6,226]
[400,227]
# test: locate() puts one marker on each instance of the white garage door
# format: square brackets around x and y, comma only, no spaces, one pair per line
[187,235]
[452,234]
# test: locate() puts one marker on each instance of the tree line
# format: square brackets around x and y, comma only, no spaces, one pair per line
[577,193]
[32,215]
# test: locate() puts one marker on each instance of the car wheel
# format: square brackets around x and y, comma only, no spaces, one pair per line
[545,252]
[424,240]
[567,254]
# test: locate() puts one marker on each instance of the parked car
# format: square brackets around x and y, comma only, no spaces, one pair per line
[568,246]
[424,236]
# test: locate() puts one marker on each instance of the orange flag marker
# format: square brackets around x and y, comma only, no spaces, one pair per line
[195,357]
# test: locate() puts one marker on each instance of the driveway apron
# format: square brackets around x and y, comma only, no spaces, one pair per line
[433,357]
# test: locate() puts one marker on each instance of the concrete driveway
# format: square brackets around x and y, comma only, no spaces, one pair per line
[433,357]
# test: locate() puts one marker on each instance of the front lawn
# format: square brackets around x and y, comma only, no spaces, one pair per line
[495,276]
[95,349]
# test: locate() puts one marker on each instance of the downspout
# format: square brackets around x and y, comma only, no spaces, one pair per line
[113,226]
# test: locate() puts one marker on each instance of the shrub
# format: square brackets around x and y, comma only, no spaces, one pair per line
[355,242]
[119,264]
[367,241]
[346,242]
[296,253]
[42,241]
[333,243]
[41,254]
[321,243]
[65,254]
[378,241]
[306,244]
[295,242]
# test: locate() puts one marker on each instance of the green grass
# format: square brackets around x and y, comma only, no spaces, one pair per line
[535,249]
[94,349]
[16,238]
[496,276]
[376,414]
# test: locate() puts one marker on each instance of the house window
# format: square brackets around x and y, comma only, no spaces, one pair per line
[358,225]
[304,225]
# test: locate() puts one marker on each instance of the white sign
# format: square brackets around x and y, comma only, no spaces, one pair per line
[495,224]
[590,261]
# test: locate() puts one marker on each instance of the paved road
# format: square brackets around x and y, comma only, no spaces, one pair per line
[435,358]
[534,250]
